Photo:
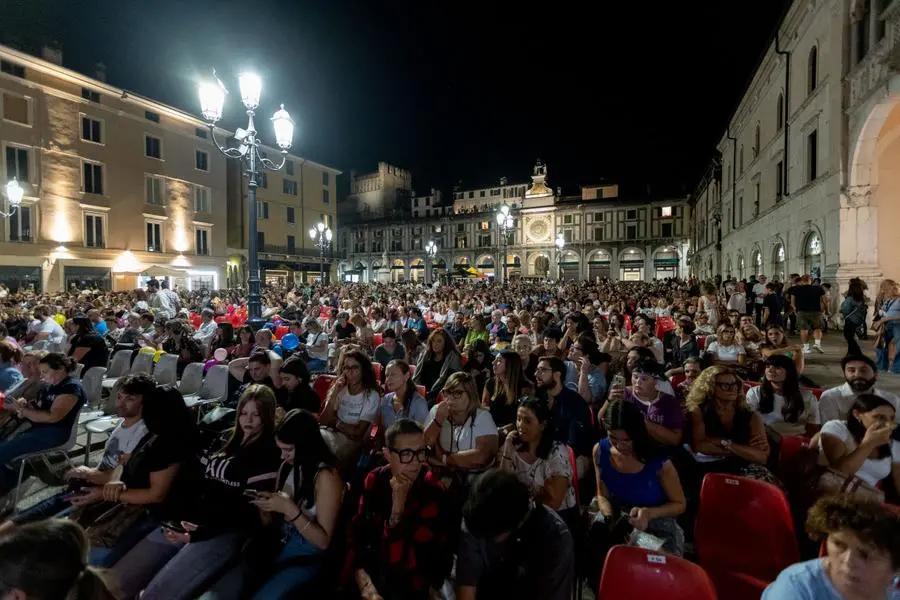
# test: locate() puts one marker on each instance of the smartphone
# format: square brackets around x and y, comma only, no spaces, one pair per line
[253,494]
[174,526]
[618,381]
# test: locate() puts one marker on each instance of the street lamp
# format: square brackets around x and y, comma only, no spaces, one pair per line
[505,225]
[431,249]
[14,194]
[321,237]
[212,101]
[560,244]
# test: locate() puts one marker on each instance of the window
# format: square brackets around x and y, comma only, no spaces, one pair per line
[289,187]
[461,242]
[484,240]
[290,214]
[202,201]
[812,70]
[812,155]
[156,190]
[262,180]
[330,221]
[779,180]
[12,68]
[471,194]
[326,198]
[598,234]
[16,163]
[93,231]
[567,219]
[154,236]
[151,116]
[631,215]
[396,245]
[756,200]
[201,241]
[201,160]
[665,211]
[739,212]
[568,235]
[495,192]
[152,147]
[260,240]
[91,130]
[756,142]
[262,210]
[598,217]
[16,109]
[779,112]
[325,178]
[481,194]
[93,178]
[460,227]
[91,95]
[201,133]
[667,230]
[20,225]
[485,226]
[289,167]
[631,232]
[291,244]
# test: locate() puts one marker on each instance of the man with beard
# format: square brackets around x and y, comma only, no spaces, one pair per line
[861,374]
[570,412]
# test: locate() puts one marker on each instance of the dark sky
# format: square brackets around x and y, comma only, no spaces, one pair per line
[630,92]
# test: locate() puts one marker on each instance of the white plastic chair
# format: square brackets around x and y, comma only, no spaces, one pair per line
[166,371]
[214,388]
[143,363]
[92,384]
[77,372]
[191,379]
[118,367]
[44,455]
[101,426]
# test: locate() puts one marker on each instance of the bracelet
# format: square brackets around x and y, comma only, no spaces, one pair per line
[299,513]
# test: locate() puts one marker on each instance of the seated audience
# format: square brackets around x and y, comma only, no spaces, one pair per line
[663,413]
[726,349]
[440,360]
[295,390]
[403,401]
[786,409]
[860,377]
[351,406]
[503,390]
[570,412]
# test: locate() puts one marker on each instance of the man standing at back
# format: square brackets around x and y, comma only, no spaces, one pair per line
[807,300]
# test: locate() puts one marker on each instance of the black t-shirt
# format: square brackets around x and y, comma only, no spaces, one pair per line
[97,354]
[807,298]
[47,395]
[238,387]
[303,397]
[502,413]
[342,332]
[153,454]
[431,372]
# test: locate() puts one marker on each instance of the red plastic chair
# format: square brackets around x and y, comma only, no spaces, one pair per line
[421,390]
[376,366]
[676,380]
[664,325]
[412,370]
[744,534]
[378,339]
[790,454]
[322,384]
[701,342]
[281,331]
[817,392]
[632,572]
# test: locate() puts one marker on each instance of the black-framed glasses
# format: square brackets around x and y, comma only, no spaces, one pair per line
[406,455]
[728,385]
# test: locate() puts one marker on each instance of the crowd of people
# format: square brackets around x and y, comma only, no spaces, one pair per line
[419,442]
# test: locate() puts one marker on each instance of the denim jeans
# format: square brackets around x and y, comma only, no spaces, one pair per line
[882,355]
[33,440]
[54,506]
[174,571]
[316,364]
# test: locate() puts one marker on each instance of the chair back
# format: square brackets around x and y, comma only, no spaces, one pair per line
[77,372]
[378,339]
[166,371]
[215,386]
[143,363]
[118,366]
[92,384]
[632,572]
[744,526]
[322,384]
[191,379]
[376,366]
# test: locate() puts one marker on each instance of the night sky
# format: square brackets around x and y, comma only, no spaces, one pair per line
[631,92]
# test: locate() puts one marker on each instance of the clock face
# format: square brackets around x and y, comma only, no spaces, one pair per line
[538,229]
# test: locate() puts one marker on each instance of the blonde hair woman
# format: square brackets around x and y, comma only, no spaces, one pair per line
[724,429]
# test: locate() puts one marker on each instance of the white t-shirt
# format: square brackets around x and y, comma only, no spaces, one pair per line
[56,334]
[726,353]
[775,419]
[872,470]
[456,438]
[759,289]
[836,402]
[121,441]
[311,339]
[357,408]
[536,474]
[738,302]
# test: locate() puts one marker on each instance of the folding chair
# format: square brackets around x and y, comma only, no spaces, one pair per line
[118,367]
[213,390]
[191,379]
[166,370]
[632,572]
[92,384]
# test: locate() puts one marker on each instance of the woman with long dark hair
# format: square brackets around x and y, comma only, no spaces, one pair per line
[85,346]
[351,405]
[403,401]
[295,390]
[854,310]
[440,360]
[503,390]
[785,408]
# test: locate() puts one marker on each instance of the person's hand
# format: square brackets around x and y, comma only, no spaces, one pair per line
[639,518]
[82,472]
[400,486]
[616,393]
[178,537]
[87,496]
[442,413]
[278,502]
[112,491]
[509,445]
[583,365]
[878,434]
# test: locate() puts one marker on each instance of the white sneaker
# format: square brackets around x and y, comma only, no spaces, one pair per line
[818,348]
[806,349]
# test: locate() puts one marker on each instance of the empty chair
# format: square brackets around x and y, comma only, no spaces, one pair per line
[214,388]
[118,367]
[191,379]
[166,371]
[92,384]
[143,363]
[744,534]
[632,572]
[321,385]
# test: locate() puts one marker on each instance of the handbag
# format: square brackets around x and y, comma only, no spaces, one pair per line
[105,523]
[831,481]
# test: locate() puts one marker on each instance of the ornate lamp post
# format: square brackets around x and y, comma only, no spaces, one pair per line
[14,194]
[321,237]
[505,226]
[560,244]
[212,101]
[431,249]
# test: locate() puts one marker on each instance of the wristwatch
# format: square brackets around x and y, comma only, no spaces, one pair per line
[725,444]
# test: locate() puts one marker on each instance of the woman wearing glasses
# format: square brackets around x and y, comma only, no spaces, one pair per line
[463,435]
[727,435]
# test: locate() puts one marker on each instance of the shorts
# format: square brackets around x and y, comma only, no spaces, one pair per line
[809,320]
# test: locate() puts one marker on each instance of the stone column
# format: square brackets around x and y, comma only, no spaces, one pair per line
[859,240]
[649,269]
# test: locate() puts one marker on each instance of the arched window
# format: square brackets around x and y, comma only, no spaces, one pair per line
[812,70]
[756,142]
[779,112]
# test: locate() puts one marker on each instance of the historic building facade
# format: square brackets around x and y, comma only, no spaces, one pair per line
[806,175]
[116,184]
[605,236]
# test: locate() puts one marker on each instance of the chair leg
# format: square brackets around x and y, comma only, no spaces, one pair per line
[87,448]
[19,486]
